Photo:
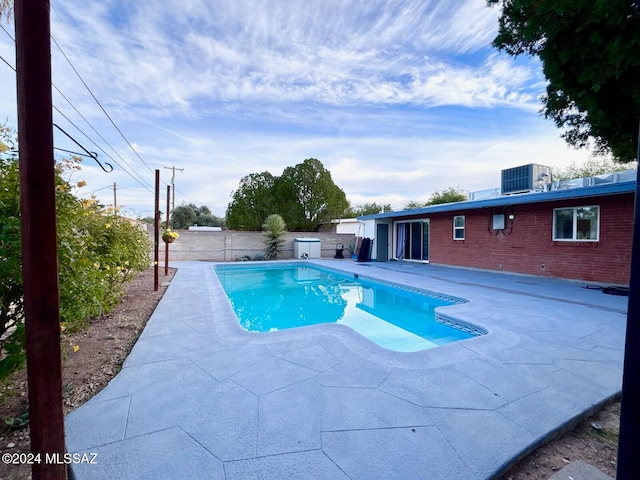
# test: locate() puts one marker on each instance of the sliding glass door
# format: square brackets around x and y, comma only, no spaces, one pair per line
[412,240]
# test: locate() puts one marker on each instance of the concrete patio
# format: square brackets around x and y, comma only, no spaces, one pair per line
[200,398]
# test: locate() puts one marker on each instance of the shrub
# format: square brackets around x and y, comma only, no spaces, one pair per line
[274,229]
[97,253]
[12,342]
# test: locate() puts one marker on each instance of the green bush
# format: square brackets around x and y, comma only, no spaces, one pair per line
[97,253]
[274,230]
[12,343]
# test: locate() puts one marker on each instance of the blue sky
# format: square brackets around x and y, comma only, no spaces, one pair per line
[397,99]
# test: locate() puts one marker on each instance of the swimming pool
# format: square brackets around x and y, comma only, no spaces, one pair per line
[268,298]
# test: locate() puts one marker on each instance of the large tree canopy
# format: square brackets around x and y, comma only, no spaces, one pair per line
[304,196]
[590,53]
[252,202]
[307,196]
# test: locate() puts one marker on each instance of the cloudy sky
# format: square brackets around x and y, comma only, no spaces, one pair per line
[397,98]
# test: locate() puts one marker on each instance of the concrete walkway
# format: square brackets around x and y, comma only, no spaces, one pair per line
[200,398]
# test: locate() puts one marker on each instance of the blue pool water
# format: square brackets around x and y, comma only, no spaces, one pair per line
[278,297]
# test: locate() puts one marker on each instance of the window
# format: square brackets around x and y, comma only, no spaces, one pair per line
[458,227]
[580,224]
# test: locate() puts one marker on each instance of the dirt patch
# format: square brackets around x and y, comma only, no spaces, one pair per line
[90,359]
[104,346]
[594,441]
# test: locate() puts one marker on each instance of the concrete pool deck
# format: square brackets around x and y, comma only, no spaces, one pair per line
[200,398]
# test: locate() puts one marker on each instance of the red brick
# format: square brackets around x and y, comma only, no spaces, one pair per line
[529,245]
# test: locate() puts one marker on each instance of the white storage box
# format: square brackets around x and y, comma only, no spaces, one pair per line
[306,248]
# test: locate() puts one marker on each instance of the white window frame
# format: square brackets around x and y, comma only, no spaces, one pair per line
[457,228]
[574,237]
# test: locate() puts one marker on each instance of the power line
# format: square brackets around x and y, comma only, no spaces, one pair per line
[148,185]
[10,66]
[173,181]
[8,34]
[103,139]
[140,179]
[99,189]
[100,105]
[142,183]
[144,52]
[88,138]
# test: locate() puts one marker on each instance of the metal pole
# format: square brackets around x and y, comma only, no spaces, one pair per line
[629,412]
[115,203]
[39,240]
[156,233]
[166,244]
[173,178]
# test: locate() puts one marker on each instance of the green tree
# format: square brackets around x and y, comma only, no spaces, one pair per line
[189,214]
[365,209]
[413,204]
[205,218]
[183,216]
[590,53]
[307,196]
[11,305]
[252,202]
[589,168]
[97,253]
[448,195]
[274,229]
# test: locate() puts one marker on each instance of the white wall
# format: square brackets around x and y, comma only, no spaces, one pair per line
[347,226]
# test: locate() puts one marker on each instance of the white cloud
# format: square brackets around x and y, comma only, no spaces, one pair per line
[397,98]
[189,55]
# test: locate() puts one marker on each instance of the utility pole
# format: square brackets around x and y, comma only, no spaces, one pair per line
[39,244]
[173,181]
[115,203]
[629,413]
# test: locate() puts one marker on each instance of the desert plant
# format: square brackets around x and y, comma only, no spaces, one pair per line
[274,230]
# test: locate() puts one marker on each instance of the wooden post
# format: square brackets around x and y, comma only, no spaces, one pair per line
[166,244]
[629,412]
[156,234]
[39,241]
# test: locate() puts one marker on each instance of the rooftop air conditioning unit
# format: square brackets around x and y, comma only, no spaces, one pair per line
[526,178]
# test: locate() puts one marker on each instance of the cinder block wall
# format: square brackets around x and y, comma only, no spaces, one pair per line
[228,246]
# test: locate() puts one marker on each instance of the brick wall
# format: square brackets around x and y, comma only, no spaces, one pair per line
[528,247]
[231,245]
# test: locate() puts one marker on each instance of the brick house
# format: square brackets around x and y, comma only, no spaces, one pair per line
[582,233]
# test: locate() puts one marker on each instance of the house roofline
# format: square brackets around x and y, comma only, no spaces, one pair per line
[516,199]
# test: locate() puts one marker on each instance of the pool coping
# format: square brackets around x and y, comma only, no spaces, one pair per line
[323,402]
[229,326]
[440,316]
